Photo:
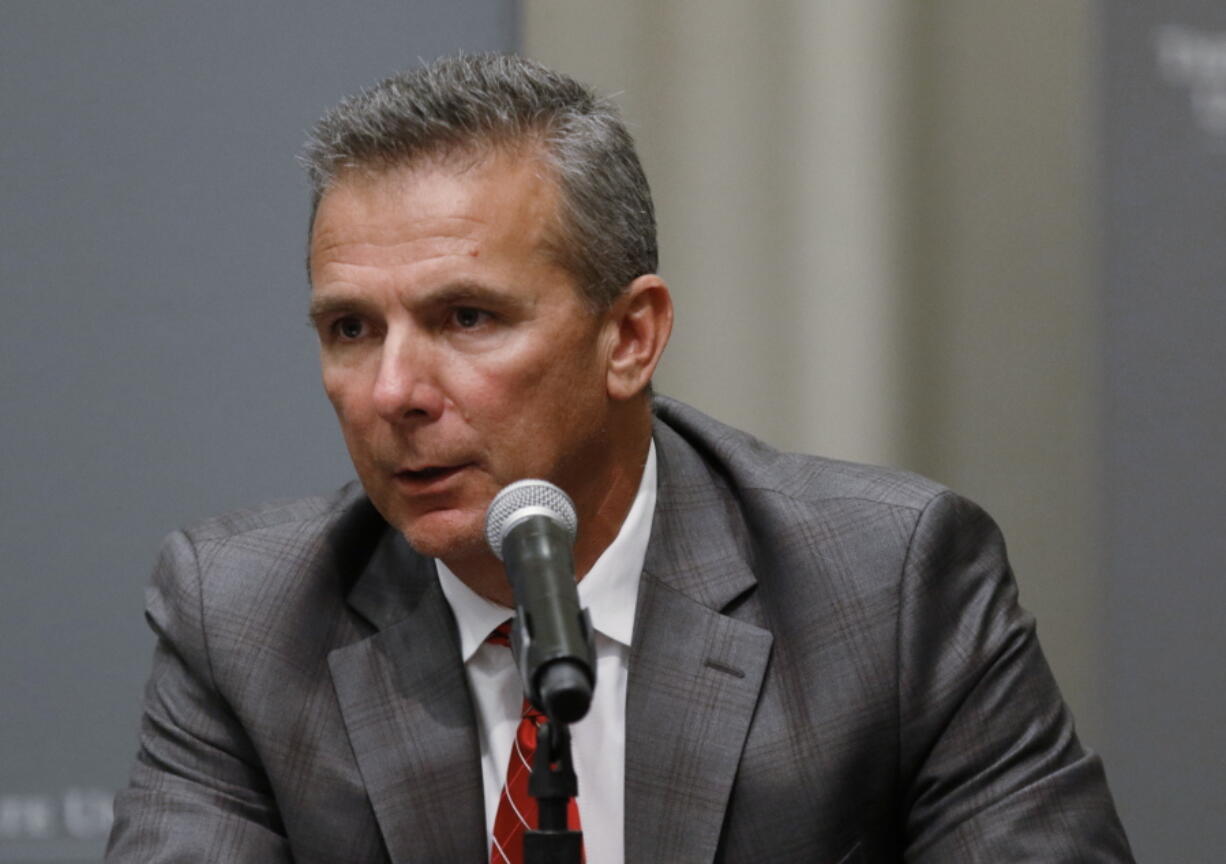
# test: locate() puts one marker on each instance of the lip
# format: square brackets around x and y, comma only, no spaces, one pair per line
[429,478]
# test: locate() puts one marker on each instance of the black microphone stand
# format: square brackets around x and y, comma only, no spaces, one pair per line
[562,691]
[552,784]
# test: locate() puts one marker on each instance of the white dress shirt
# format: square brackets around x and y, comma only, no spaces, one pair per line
[609,591]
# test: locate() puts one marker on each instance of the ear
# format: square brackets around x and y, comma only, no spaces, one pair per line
[639,323]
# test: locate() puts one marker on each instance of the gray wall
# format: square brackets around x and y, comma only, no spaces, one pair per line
[156,366]
[1164,86]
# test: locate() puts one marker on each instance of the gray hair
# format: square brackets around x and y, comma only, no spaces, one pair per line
[490,101]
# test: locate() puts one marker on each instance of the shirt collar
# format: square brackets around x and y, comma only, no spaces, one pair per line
[609,590]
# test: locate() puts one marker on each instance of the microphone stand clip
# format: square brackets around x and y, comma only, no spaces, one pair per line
[552,784]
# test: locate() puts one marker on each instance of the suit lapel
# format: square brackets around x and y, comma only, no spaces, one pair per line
[695,673]
[406,707]
[695,676]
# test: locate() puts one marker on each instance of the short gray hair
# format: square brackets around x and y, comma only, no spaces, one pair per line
[490,101]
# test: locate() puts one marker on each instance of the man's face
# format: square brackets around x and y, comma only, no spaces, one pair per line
[458,355]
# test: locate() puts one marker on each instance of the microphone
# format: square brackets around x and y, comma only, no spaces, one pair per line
[530,526]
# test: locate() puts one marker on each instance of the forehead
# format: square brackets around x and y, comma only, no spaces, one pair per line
[495,195]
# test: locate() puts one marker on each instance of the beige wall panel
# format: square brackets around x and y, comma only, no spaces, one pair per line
[876,220]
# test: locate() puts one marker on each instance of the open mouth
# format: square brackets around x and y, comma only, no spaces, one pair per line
[433,472]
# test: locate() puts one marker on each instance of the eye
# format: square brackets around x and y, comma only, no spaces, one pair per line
[350,327]
[468,317]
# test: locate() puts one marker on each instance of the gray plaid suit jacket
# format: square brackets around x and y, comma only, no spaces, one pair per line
[829,665]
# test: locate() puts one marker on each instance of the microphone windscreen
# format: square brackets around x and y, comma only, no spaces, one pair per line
[525,498]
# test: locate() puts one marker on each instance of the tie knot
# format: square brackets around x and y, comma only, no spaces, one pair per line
[500,635]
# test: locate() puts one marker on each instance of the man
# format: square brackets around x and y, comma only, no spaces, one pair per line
[798,659]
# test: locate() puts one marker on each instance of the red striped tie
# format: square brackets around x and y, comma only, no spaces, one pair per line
[516,808]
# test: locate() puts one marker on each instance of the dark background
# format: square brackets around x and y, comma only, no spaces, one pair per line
[157,366]
[1164,190]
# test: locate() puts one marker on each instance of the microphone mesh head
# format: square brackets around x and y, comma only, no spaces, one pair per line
[527,498]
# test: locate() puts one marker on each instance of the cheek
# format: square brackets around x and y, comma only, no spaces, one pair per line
[333,392]
[489,384]
[347,401]
[332,380]
[336,396]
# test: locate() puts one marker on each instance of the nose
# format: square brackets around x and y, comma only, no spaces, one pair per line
[406,387]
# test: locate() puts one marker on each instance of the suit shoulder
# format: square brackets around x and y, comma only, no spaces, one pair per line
[274,516]
[752,466]
[291,547]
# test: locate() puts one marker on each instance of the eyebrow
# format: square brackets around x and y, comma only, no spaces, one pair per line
[322,308]
[468,292]
[459,293]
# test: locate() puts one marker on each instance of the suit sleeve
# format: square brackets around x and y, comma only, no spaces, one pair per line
[992,767]
[197,792]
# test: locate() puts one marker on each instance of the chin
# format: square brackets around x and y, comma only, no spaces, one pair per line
[444,536]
